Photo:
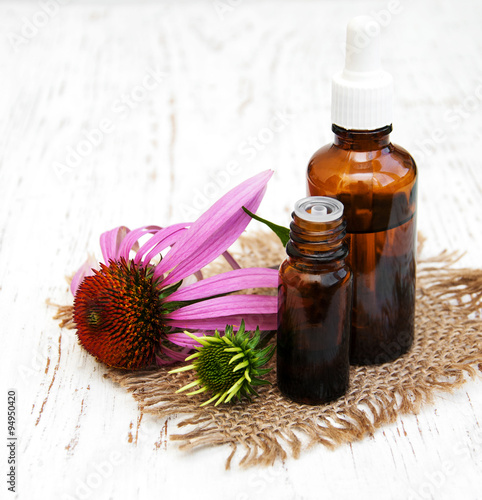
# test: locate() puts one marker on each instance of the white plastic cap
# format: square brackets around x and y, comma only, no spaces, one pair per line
[362,93]
[319,209]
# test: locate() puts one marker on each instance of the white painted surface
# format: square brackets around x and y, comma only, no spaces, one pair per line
[224,79]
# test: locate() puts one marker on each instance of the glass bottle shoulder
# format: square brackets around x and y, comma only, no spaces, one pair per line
[334,169]
[298,273]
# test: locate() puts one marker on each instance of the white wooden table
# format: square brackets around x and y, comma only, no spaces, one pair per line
[161,98]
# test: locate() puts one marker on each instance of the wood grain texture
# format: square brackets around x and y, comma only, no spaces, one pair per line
[169,151]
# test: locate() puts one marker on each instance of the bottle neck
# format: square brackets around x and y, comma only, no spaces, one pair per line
[317,242]
[362,140]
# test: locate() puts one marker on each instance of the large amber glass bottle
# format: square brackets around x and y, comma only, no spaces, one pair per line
[377,183]
[314,304]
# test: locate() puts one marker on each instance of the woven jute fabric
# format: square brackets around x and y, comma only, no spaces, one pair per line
[446,351]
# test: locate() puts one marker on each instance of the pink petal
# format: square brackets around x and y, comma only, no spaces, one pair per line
[129,241]
[87,269]
[231,260]
[174,355]
[264,321]
[226,306]
[110,242]
[160,241]
[214,245]
[183,340]
[231,281]
[168,241]
[215,230]
[191,279]
[212,314]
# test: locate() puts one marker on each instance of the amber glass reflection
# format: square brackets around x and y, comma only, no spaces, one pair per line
[376,182]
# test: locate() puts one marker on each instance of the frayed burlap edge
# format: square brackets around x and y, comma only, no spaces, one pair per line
[447,349]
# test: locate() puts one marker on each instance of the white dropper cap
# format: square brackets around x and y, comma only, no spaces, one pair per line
[362,93]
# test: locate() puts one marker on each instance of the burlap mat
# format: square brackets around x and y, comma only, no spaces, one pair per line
[447,349]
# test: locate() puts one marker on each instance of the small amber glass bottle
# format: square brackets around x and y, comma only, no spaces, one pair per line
[314,302]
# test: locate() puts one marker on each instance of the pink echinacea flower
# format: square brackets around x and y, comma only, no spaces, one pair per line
[134,305]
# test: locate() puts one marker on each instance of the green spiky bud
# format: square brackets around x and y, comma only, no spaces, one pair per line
[228,366]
